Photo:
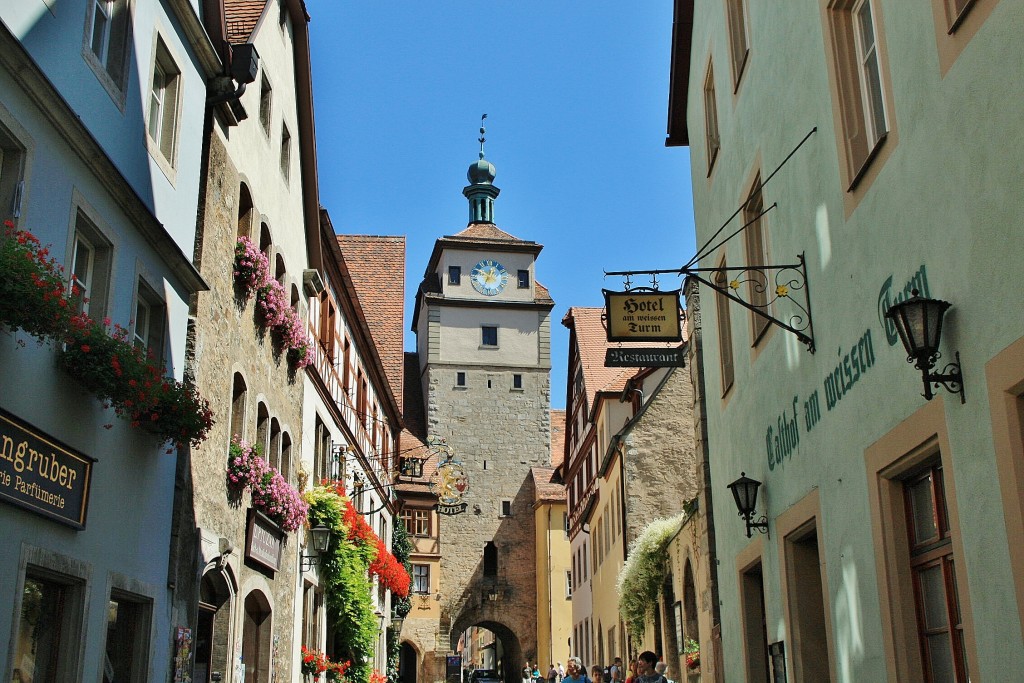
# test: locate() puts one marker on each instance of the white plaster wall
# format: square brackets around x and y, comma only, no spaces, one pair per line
[517,336]
[512,261]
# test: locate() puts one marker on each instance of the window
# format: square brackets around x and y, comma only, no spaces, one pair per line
[455,275]
[127,645]
[460,379]
[421,579]
[245,211]
[568,585]
[12,168]
[524,279]
[274,450]
[724,330]
[417,522]
[266,100]
[490,559]
[956,23]
[489,335]
[239,390]
[107,36]
[757,255]
[860,83]
[90,267]
[312,607]
[321,451]
[286,457]
[286,151]
[738,44]
[517,381]
[148,330]
[262,429]
[506,508]
[49,626]
[939,626]
[711,139]
[163,103]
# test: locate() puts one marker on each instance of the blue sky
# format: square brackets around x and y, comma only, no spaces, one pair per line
[576,97]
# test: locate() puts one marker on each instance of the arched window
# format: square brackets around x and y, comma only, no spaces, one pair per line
[279,269]
[262,428]
[691,626]
[265,242]
[245,212]
[274,451]
[214,618]
[256,638]
[286,457]
[490,559]
[238,396]
[295,298]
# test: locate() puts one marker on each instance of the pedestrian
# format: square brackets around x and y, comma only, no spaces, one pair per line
[561,671]
[616,670]
[631,678]
[646,663]
[597,673]
[526,673]
[574,671]
[552,674]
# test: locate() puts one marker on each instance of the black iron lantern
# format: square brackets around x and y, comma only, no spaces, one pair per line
[320,537]
[744,492]
[918,321]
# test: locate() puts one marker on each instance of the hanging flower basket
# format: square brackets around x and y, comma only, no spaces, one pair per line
[271,493]
[35,299]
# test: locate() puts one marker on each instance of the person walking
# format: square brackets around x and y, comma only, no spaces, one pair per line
[561,671]
[552,674]
[616,670]
[646,663]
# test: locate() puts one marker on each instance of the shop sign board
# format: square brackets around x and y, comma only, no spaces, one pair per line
[643,315]
[645,358]
[41,474]
[264,541]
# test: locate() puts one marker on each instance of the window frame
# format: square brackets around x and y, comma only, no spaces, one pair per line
[485,336]
[15,147]
[154,336]
[420,578]
[455,276]
[739,40]
[166,83]
[88,229]
[712,134]
[114,82]
[286,152]
[723,324]
[141,631]
[522,279]
[755,247]
[266,107]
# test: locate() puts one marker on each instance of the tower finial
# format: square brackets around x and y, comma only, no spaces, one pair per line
[482,138]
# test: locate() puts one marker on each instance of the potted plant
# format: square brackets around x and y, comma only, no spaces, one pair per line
[314,663]
[691,652]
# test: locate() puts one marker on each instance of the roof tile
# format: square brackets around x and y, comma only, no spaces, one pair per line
[241,17]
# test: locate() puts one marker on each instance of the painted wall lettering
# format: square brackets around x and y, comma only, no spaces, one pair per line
[782,438]
[850,368]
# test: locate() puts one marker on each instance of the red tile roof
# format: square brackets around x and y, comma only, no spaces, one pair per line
[486,231]
[557,437]
[412,442]
[377,266]
[592,342]
[547,489]
[241,17]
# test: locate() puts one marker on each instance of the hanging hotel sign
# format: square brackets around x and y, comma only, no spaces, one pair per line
[449,482]
[643,315]
[645,358]
[41,474]
[264,541]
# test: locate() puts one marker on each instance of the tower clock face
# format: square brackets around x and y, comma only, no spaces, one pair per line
[489,277]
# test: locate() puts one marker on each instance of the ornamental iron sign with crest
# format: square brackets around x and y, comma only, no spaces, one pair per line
[449,483]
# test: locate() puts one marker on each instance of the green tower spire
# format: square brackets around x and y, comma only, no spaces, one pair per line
[481,191]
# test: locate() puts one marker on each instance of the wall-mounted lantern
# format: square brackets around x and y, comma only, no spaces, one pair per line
[320,537]
[918,321]
[744,491]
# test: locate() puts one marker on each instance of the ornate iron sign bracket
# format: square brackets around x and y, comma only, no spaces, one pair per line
[758,289]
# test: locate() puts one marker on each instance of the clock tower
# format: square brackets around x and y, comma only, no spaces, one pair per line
[483,341]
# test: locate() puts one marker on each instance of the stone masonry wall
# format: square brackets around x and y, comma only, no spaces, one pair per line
[498,433]
[227,340]
[660,456]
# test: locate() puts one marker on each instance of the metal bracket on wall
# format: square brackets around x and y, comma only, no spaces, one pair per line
[767,286]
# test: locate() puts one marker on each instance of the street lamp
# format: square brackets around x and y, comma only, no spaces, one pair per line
[918,320]
[320,537]
[744,491]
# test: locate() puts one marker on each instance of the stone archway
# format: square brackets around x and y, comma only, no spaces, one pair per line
[408,662]
[512,655]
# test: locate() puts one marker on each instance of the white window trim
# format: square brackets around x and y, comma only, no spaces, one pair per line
[80,204]
[167,165]
[116,92]
[862,58]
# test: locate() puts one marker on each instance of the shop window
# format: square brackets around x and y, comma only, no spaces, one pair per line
[739,48]
[757,255]
[108,31]
[49,627]
[421,579]
[712,141]
[861,85]
[91,259]
[266,101]
[256,637]
[724,324]
[164,94]
[149,324]
[127,642]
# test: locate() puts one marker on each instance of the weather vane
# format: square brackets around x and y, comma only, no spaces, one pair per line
[482,139]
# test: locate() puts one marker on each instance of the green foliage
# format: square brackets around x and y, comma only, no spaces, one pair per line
[643,574]
[401,548]
[347,588]
[394,653]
